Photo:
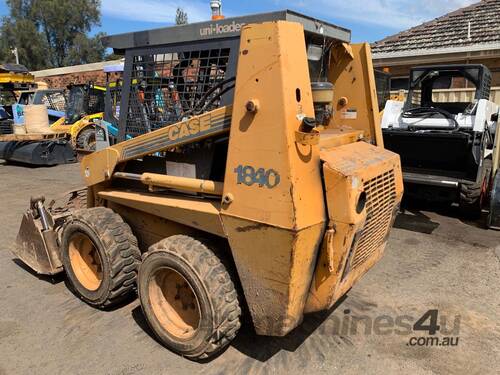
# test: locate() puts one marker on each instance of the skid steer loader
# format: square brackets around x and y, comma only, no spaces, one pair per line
[85,106]
[250,181]
[446,134]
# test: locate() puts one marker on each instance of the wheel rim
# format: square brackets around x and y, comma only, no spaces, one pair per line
[174,303]
[85,261]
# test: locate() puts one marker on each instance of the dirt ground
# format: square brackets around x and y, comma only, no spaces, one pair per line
[433,262]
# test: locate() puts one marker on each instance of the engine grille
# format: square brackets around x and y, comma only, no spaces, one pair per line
[380,201]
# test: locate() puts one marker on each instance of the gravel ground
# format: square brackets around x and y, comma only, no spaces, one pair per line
[434,261]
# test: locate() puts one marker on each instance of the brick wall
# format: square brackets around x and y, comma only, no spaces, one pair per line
[63,80]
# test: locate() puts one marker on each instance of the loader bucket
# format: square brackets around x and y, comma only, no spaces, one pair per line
[37,247]
[39,153]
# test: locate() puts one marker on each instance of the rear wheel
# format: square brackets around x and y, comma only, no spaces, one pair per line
[473,195]
[86,139]
[100,256]
[188,297]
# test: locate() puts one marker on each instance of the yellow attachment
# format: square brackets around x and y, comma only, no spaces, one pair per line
[76,128]
[59,125]
[100,166]
[363,190]
[16,78]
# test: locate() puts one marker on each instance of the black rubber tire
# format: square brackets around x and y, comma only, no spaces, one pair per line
[472,195]
[73,201]
[77,200]
[211,283]
[118,252]
[86,139]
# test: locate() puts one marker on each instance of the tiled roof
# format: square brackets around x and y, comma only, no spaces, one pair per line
[449,31]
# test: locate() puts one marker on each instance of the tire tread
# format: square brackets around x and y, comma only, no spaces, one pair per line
[120,247]
[219,285]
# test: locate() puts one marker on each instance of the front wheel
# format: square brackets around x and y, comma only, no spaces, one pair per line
[100,256]
[86,139]
[188,297]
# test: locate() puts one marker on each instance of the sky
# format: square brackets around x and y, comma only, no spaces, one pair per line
[369,20]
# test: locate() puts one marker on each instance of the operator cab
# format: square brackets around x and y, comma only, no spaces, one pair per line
[84,100]
[174,73]
[449,92]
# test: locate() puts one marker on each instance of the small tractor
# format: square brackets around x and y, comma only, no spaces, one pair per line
[249,177]
[85,106]
[446,134]
[30,149]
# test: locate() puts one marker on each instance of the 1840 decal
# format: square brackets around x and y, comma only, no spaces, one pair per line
[250,176]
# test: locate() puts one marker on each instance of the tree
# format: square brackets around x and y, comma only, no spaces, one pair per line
[181,17]
[85,50]
[31,46]
[51,33]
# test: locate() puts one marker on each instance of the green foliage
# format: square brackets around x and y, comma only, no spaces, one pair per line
[181,17]
[51,33]
[85,50]
[31,46]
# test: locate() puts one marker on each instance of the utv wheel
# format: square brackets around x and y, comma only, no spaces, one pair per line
[86,139]
[472,195]
[188,297]
[100,256]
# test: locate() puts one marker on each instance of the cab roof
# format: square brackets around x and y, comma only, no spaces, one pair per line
[225,28]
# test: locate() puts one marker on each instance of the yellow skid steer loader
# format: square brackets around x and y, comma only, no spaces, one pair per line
[256,176]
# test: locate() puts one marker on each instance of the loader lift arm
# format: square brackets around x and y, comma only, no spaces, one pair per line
[100,166]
